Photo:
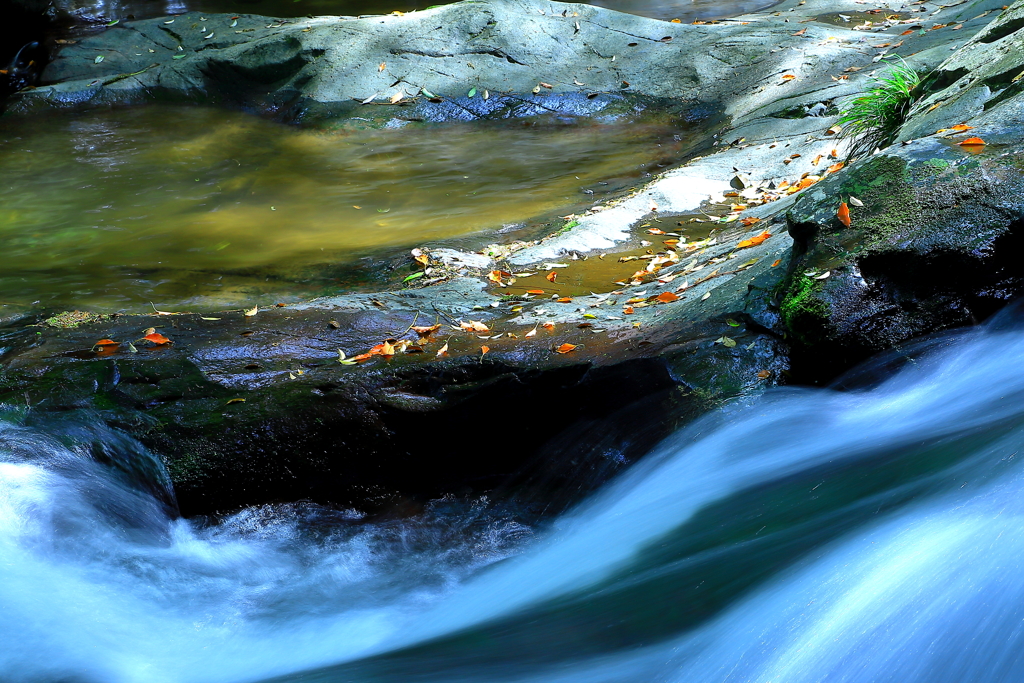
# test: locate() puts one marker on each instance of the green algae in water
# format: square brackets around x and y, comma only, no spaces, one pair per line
[200,207]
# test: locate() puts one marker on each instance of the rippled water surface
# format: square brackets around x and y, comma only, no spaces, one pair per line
[189,206]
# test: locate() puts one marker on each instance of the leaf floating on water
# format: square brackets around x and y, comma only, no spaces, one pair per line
[844,214]
[565,348]
[667,297]
[754,241]
[548,326]
[252,311]
[107,342]
[531,333]
[564,300]
[551,276]
[235,400]
[969,142]
[535,291]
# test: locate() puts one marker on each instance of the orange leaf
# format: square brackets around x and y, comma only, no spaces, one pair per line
[799,33]
[423,331]
[907,32]
[565,348]
[836,167]
[387,349]
[443,351]
[548,326]
[157,338]
[776,262]
[655,231]
[788,77]
[749,220]
[961,127]
[107,342]
[422,259]
[475,326]
[552,275]
[628,310]
[806,182]
[667,297]
[535,291]
[754,241]
[565,300]
[971,141]
[844,214]
[670,243]
[484,349]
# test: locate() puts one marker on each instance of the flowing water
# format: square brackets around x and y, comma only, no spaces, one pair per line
[185,206]
[872,533]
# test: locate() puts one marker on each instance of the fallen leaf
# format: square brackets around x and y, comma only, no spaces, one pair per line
[776,262]
[546,85]
[548,326]
[475,326]
[387,349]
[535,291]
[628,310]
[235,400]
[844,214]
[707,295]
[836,167]
[426,331]
[961,127]
[788,77]
[157,338]
[907,32]
[565,348]
[754,241]
[484,349]
[382,66]
[107,342]
[799,33]
[443,351]
[764,374]
[531,333]
[397,97]
[727,342]
[565,300]
[667,297]
[551,276]
[856,202]
[252,311]
[971,141]
[655,231]
[748,221]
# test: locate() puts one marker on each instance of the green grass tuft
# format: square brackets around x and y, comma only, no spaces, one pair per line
[873,119]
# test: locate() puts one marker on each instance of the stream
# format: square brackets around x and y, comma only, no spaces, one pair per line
[868,532]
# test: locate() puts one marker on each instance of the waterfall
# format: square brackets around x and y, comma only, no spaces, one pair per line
[868,532]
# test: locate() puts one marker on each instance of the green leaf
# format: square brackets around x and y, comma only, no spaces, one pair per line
[731,323]
[471,92]
[178,57]
[414,276]
[115,21]
[427,93]
[99,58]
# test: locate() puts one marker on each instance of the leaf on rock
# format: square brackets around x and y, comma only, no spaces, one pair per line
[844,214]
[443,351]
[475,326]
[754,241]
[250,312]
[667,297]
[972,141]
[426,331]
[565,348]
[157,338]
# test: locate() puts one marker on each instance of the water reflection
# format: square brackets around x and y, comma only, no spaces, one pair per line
[183,205]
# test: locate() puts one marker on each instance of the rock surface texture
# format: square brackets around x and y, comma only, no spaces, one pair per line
[931,243]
